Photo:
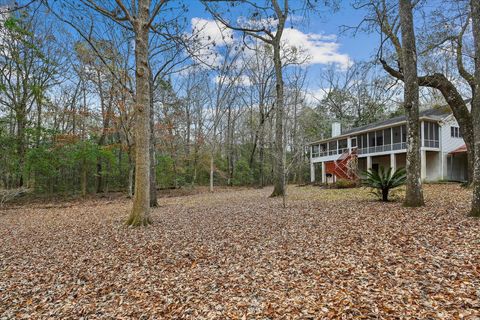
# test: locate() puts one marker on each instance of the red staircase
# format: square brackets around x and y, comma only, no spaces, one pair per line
[343,167]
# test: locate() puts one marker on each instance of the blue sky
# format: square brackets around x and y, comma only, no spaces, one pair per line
[360,47]
[321,31]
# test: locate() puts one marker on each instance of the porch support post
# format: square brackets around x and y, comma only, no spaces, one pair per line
[423,163]
[369,162]
[312,171]
[324,173]
[422,133]
[393,162]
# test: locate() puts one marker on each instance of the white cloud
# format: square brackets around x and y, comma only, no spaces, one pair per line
[241,80]
[321,49]
[210,36]
[313,96]
[211,32]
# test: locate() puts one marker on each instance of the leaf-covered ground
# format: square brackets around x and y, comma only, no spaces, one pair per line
[239,255]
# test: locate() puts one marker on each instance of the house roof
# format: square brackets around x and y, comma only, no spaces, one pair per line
[435,114]
[461,149]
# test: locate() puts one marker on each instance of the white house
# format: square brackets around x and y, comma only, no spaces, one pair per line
[383,143]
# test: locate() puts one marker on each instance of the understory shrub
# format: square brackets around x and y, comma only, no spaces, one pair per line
[345,184]
[383,181]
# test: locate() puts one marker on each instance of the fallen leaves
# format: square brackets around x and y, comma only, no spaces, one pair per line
[240,255]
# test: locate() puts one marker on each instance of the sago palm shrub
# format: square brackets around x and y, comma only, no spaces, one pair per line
[382,181]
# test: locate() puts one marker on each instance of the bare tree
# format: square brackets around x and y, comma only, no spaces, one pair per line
[271,34]
[138,16]
[259,69]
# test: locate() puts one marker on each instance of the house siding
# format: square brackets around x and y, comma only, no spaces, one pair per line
[448,144]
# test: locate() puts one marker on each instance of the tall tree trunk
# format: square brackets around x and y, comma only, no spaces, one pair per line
[153,173]
[131,170]
[229,143]
[84,177]
[21,149]
[414,192]
[475,6]
[140,214]
[211,171]
[261,155]
[279,158]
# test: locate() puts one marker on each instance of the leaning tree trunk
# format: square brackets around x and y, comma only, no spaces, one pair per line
[475,211]
[279,158]
[414,192]
[140,215]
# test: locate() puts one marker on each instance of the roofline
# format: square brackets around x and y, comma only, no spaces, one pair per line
[346,135]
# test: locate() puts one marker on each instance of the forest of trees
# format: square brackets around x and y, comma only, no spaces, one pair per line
[100,96]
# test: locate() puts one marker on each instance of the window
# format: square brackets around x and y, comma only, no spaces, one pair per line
[387,136]
[332,147]
[364,140]
[371,139]
[315,151]
[379,138]
[342,145]
[396,132]
[353,142]
[404,133]
[455,132]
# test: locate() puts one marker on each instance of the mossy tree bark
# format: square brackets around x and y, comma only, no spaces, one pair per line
[475,7]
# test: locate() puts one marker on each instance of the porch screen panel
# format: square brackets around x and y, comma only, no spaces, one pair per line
[315,151]
[396,135]
[353,142]
[404,134]
[323,150]
[436,135]
[387,139]
[387,136]
[342,145]
[397,138]
[371,139]
[379,137]
[332,147]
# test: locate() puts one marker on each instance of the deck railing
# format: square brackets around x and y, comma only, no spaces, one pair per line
[384,148]
[378,149]
[431,143]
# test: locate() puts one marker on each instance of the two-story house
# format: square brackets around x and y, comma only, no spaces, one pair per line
[384,143]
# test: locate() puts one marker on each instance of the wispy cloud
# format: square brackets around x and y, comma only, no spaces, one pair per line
[321,49]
